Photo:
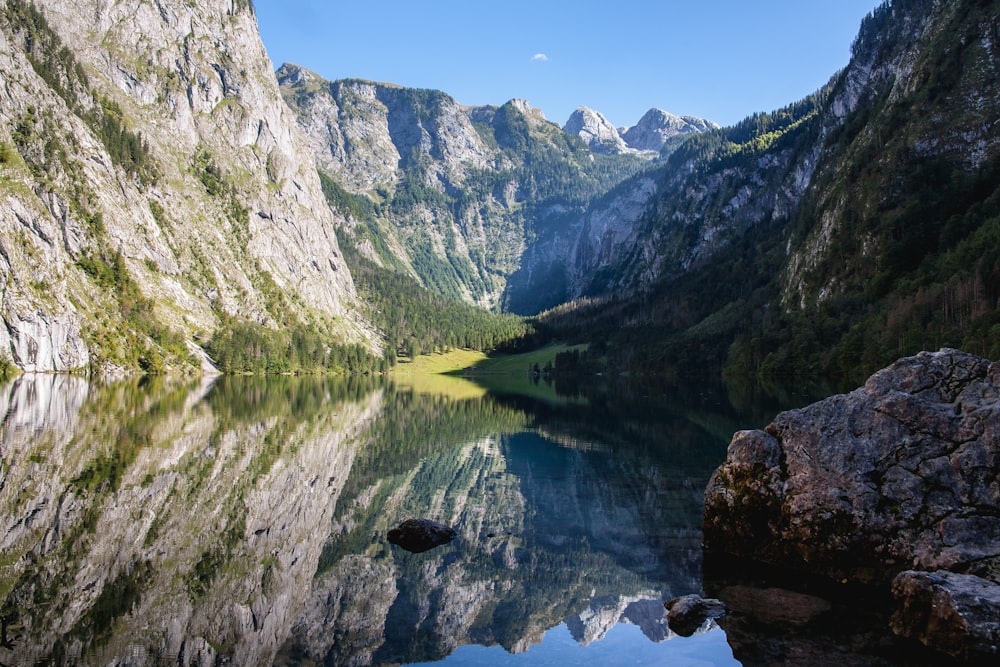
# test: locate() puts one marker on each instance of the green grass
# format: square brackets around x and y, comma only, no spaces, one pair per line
[438,363]
[471,362]
[520,363]
[502,374]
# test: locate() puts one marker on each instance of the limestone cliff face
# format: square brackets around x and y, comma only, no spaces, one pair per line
[913,101]
[581,256]
[225,203]
[366,134]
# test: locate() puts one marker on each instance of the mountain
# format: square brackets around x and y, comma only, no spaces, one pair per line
[654,132]
[833,235]
[596,131]
[452,195]
[155,188]
[657,127]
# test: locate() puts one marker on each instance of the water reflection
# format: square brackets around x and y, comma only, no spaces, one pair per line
[243,521]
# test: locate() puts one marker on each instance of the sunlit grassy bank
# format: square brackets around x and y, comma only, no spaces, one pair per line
[445,373]
[429,374]
[470,362]
[438,363]
[520,363]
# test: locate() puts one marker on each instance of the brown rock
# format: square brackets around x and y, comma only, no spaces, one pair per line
[952,613]
[689,613]
[902,473]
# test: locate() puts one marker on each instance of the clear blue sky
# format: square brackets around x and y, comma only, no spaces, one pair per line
[718,59]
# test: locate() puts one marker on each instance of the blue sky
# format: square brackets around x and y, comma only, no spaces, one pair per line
[718,59]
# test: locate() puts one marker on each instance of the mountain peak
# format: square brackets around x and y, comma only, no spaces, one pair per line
[292,73]
[524,106]
[596,131]
[657,126]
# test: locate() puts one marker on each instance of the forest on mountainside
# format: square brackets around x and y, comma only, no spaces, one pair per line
[894,248]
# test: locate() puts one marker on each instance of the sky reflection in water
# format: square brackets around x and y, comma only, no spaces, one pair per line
[623,646]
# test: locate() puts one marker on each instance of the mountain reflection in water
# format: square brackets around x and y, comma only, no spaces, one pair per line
[243,521]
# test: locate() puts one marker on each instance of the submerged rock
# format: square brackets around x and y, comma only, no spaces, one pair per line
[419,535]
[689,613]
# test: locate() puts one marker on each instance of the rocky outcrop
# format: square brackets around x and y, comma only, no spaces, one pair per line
[648,136]
[690,613]
[900,474]
[368,134]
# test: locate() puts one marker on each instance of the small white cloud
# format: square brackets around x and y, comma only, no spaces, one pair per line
[539,58]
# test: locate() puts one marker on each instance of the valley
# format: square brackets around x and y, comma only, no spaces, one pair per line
[205,213]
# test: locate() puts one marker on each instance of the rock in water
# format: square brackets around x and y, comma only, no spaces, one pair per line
[902,473]
[419,535]
[957,614]
[689,613]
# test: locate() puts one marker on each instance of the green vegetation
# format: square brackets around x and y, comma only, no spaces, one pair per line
[534,361]
[416,321]
[144,343]
[239,346]
[441,362]
[56,64]
[912,261]
[413,319]
[461,234]
[7,153]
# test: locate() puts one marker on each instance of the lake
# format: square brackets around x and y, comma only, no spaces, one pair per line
[243,521]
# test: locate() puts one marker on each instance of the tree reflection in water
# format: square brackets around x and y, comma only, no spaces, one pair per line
[244,520]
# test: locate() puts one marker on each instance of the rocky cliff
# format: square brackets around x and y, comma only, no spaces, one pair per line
[657,128]
[154,182]
[596,131]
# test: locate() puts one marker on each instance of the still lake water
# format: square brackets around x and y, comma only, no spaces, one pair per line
[243,521]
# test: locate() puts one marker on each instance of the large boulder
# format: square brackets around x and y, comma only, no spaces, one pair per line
[957,614]
[901,474]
